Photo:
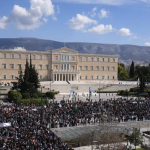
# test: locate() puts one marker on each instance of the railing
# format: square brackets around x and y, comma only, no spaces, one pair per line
[67,70]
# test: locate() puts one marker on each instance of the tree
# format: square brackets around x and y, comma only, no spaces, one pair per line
[29,82]
[143,73]
[33,77]
[136,138]
[132,70]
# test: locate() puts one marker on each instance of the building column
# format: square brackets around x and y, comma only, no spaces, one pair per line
[77,76]
[56,77]
[59,77]
[68,77]
[63,67]
[65,77]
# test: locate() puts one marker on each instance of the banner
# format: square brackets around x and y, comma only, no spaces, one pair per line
[5,124]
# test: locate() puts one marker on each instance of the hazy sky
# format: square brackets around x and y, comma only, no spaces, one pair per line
[96,21]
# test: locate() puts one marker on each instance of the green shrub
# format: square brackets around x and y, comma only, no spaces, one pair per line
[133,89]
[50,95]
[121,92]
[25,95]
[32,101]
[56,92]
[126,93]
[34,95]
[13,95]
[38,93]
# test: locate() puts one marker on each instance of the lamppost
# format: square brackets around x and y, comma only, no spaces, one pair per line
[99,90]
[138,83]
[41,106]
[75,108]
[17,97]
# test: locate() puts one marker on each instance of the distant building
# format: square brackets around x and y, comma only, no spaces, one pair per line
[61,64]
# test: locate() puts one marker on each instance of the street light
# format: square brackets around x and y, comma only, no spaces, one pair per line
[41,106]
[75,108]
[99,90]
[138,83]
[17,97]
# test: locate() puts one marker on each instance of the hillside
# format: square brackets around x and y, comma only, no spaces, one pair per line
[125,52]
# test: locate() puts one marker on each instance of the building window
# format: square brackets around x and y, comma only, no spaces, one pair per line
[27,56]
[33,56]
[40,66]
[103,59]
[92,59]
[47,77]
[113,59]
[12,55]
[85,77]
[103,77]
[47,67]
[86,67]
[97,59]
[108,77]
[4,76]
[12,76]
[19,66]
[92,77]
[56,67]
[68,57]
[67,66]
[40,56]
[73,58]
[40,76]
[97,77]
[4,55]
[80,77]
[80,58]
[108,59]
[113,68]
[91,67]
[86,58]
[47,57]
[12,66]
[19,56]
[80,67]
[4,66]
[56,57]
[113,77]
[103,68]
[108,68]
[33,66]
[97,67]
[72,67]
[19,76]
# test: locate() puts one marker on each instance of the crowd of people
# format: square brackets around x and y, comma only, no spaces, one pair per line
[30,126]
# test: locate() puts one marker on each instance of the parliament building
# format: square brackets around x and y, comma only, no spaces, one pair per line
[62,64]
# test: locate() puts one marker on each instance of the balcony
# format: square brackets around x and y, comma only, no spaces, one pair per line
[65,70]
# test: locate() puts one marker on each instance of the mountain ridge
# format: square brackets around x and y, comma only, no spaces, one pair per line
[125,51]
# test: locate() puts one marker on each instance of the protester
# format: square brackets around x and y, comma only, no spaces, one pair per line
[29,131]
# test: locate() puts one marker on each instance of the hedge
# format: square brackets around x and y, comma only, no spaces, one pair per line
[50,94]
[13,95]
[107,91]
[34,95]
[32,101]
[25,95]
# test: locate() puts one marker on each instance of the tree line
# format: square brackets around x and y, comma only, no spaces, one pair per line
[133,72]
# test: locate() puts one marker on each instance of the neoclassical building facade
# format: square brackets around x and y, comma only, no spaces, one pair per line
[62,64]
